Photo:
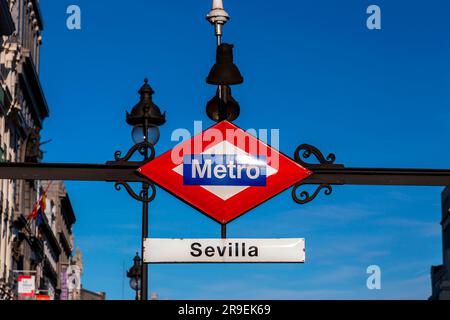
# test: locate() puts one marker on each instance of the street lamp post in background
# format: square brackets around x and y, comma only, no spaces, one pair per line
[134,274]
[145,118]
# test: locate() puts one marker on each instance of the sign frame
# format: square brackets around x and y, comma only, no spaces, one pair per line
[298,242]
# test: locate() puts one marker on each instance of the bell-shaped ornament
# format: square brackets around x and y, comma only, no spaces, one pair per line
[224,72]
[227,103]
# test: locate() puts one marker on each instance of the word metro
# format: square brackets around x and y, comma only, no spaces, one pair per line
[224,251]
[224,170]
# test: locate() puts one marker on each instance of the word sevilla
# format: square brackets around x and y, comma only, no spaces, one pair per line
[232,250]
[224,170]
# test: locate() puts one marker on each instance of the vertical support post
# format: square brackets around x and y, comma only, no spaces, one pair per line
[224,231]
[222,104]
[222,117]
[145,187]
[144,271]
[222,108]
[218,27]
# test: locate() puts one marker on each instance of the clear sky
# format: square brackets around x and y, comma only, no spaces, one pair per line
[312,69]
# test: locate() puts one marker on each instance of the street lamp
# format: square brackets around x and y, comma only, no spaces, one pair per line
[145,118]
[135,275]
[223,74]
[138,134]
[224,71]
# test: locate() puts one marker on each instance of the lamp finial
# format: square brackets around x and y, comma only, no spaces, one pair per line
[218,17]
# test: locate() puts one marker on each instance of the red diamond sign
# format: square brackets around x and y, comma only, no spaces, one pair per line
[224,172]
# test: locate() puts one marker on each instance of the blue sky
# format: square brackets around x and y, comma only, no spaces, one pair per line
[313,70]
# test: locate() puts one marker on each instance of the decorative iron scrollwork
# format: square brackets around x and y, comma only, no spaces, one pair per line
[305,151]
[142,148]
[305,197]
[144,196]
[147,151]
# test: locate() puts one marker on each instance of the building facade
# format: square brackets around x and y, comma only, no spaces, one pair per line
[55,229]
[41,247]
[23,109]
[440,275]
[89,295]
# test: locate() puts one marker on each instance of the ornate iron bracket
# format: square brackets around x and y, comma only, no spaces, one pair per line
[303,152]
[305,197]
[144,196]
[146,150]
[143,148]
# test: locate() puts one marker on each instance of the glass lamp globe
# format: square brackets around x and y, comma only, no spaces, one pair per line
[139,135]
[135,284]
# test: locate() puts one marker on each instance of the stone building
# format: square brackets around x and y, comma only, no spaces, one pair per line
[56,270]
[60,271]
[57,237]
[41,247]
[440,275]
[23,110]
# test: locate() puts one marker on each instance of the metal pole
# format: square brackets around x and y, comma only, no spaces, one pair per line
[222,117]
[145,187]
[218,27]
[224,231]
[144,272]
[113,172]
[222,111]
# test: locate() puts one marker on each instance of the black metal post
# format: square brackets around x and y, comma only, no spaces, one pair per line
[222,116]
[222,106]
[224,231]
[144,272]
[127,172]
[145,187]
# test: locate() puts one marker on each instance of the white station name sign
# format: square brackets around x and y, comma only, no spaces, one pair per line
[224,251]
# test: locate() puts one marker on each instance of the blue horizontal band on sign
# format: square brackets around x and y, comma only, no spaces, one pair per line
[224,170]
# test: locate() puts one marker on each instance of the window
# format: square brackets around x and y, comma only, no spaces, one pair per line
[2,155]
[3,75]
[19,9]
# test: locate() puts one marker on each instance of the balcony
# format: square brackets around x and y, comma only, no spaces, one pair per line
[33,92]
[50,238]
[37,11]
[5,94]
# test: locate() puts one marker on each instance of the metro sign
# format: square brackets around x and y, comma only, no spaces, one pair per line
[26,287]
[224,172]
